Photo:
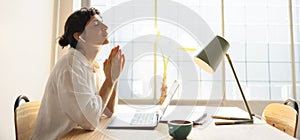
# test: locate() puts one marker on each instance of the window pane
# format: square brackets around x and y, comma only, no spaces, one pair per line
[235,17]
[125,88]
[258,33]
[278,34]
[257,52]
[236,34]
[281,91]
[210,12]
[277,3]
[279,52]
[237,52]
[233,91]
[297,52]
[280,72]
[263,28]
[297,65]
[258,91]
[255,15]
[129,29]
[258,71]
[240,69]
[137,40]
[278,15]
[297,32]
[256,3]
[191,91]
[298,89]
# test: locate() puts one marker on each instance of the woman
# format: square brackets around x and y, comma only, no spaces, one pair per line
[78,90]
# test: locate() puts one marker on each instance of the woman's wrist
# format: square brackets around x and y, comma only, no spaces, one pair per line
[109,82]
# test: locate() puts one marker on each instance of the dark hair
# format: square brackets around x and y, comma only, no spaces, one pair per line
[76,23]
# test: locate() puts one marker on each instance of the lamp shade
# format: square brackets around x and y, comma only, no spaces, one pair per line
[210,57]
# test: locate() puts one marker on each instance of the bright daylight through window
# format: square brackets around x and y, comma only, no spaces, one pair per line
[264,37]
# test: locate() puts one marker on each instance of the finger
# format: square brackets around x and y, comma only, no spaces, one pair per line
[123,60]
[104,63]
[111,55]
[117,49]
[119,54]
[113,52]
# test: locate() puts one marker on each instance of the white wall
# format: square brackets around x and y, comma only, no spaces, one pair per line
[25,56]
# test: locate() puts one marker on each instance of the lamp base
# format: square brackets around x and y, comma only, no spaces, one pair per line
[237,120]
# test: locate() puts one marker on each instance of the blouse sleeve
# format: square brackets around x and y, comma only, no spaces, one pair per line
[78,100]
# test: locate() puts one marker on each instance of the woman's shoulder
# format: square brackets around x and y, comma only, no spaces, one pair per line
[66,60]
[69,61]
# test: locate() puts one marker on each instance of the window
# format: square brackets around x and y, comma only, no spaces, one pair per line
[258,30]
[260,48]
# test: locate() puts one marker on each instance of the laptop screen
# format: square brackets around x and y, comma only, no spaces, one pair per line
[169,96]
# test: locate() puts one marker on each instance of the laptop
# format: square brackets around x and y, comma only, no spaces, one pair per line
[143,119]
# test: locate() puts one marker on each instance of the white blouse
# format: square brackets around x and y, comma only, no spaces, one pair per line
[71,98]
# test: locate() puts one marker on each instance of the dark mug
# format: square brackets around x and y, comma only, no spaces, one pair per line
[180,129]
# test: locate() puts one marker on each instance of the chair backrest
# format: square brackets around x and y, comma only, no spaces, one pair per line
[293,103]
[281,116]
[25,116]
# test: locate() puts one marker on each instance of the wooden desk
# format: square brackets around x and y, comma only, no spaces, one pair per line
[258,130]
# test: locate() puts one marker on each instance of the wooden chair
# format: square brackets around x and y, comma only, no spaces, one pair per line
[25,117]
[282,116]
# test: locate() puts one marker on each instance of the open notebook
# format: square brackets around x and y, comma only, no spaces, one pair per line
[143,120]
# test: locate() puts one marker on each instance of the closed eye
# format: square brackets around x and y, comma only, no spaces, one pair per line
[96,22]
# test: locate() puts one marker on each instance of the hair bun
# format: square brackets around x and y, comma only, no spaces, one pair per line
[63,41]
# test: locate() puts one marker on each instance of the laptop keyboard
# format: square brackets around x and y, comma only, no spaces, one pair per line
[143,119]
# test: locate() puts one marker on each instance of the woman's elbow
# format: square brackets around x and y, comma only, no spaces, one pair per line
[109,112]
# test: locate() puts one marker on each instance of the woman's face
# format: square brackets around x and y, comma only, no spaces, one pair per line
[95,31]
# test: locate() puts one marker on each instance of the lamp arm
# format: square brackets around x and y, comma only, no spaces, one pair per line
[237,80]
